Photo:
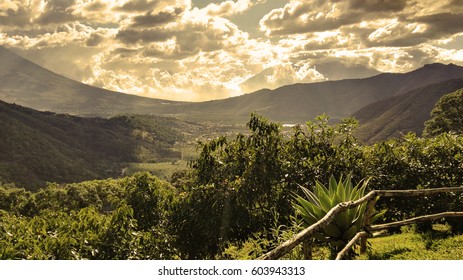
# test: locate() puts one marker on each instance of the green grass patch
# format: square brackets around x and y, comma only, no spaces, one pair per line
[434,245]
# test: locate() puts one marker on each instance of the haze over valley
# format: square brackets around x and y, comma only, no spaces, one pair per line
[137,129]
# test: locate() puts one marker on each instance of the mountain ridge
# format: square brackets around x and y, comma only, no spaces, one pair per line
[44,90]
[338,99]
[28,84]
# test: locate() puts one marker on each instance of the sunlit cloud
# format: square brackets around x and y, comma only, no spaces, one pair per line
[175,49]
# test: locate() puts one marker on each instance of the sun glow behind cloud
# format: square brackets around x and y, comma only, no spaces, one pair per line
[179,50]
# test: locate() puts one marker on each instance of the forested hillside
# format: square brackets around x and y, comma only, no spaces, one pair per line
[401,114]
[236,201]
[39,147]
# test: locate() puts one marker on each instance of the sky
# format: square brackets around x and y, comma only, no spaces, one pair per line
[195,50]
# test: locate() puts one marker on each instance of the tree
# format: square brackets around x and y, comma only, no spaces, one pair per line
[149,198]
[319,150]
[447,115]
[236,190]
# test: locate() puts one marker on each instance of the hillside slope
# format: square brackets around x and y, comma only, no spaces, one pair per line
[40,146]
[403,113]
[30,85]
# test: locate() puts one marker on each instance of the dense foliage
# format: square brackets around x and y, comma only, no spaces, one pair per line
[108,219]
[238,192]
[446,115]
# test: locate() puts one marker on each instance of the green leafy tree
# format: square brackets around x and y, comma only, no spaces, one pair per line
[150,199]
[414,162]
[318,150]
[236,188]
[447,115]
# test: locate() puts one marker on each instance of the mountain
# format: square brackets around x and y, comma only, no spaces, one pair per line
[338,71]
[330,71]
[37,147]
[339,99]
[404,113]
[30,85]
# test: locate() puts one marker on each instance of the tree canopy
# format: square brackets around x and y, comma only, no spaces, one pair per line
[447,115]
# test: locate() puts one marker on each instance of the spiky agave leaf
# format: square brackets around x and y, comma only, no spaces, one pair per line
[309,212]
[323,195]
[311,197]
[322,199]
[332,231]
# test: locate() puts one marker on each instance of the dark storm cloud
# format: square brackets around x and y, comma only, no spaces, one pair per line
[132,36]
[19,18]
[56,12]
[94,40]
[160,18]
[442,24]
[378,5]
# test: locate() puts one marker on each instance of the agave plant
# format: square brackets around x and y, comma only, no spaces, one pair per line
[318,201]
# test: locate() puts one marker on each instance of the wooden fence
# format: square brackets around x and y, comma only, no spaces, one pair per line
[305,235]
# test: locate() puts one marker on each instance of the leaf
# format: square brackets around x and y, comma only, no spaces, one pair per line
[310,196]
[350,233]
[378,215]
[332,231]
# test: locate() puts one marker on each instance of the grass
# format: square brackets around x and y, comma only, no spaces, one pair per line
[438,244]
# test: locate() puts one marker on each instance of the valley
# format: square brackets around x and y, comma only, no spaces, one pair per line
[93,173]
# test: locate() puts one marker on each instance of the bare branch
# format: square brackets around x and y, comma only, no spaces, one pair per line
[415,220]
[287,246]
[305,234]
[350,244]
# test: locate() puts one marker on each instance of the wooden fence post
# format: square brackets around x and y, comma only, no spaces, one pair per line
[366,223]
[307,248]
[305,235]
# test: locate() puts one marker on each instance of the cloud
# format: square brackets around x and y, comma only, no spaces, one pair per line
[299,17]
[442,24]
[137,5]
[395,23]
[378,5]
[282,74]
[151,19]
[15,13]
[397,33]
[97,37]
[180,81]
[174,50]
[132,36]
[57,12]
[228,8]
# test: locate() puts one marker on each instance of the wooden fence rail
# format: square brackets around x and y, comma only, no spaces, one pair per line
[369,198]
